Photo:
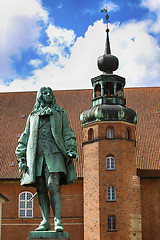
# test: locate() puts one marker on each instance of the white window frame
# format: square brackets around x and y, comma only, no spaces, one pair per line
[110,133]
[110,163]
[28,206]
[111,219]
[111,193]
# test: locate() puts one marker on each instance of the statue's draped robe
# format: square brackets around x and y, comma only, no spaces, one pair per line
[29,146]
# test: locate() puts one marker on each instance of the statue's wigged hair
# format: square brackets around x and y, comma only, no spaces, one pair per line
[41,104]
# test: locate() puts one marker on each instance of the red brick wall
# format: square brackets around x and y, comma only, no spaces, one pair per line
[123,178]
[91,192]
[72,211]
[150,204]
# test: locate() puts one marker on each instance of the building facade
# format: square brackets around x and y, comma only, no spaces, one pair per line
[117,192]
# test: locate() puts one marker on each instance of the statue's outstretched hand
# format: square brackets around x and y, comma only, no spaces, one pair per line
[72,155]
[22,166]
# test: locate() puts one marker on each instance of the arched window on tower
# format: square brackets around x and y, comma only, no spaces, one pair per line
[110,163]
[111,223]
[128,133]
[25,207]
[110,132]
[98,90]
[111,193]
[108,89]
[90,134]
[119,90]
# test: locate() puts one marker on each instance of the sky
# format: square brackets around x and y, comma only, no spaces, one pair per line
[56,43]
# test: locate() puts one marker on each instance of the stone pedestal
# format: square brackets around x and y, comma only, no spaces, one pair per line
[49,235]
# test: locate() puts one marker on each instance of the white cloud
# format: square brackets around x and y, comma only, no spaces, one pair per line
[59,38]
[19,30]
[60,42]
[29,8]
[138,53]
[137,50]
[60,35]
[110,6]
[79,68]
[35,63]
[153,6]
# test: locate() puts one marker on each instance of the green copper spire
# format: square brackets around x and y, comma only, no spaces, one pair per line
[107,48]
[107,63]
[108,103]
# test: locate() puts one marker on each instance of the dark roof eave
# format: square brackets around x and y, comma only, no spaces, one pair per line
[148,173]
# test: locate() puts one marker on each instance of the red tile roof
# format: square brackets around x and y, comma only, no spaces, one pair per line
[145,101]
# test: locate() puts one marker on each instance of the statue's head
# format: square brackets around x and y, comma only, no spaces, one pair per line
[45,97]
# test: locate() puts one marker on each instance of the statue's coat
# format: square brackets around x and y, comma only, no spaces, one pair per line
[27,144]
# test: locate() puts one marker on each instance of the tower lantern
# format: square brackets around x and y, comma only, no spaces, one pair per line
[111,185]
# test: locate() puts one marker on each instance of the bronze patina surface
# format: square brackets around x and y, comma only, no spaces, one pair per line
[45,153]
[49,235]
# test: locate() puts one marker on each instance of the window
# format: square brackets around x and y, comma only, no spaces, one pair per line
[110,133]
[127,133]
[118,90]
[108,89]
[111,194]
[111,222]
[110,163]
[25,207]
[90,134]
[98,90]
[12,164]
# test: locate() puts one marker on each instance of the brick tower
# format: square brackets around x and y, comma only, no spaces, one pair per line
[111,185]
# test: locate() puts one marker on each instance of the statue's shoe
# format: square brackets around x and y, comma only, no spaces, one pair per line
[44,227]
[58,225]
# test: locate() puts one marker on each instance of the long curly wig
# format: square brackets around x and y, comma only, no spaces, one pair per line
[41,104]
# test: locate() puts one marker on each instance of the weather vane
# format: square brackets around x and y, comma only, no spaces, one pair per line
[107,16]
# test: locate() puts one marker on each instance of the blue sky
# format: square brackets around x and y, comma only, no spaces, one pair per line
[57,43]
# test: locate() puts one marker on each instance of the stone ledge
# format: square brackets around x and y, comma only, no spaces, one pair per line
[49,235]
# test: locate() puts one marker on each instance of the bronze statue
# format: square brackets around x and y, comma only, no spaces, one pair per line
[45,152]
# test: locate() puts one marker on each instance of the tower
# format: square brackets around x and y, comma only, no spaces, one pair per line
[111,185]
